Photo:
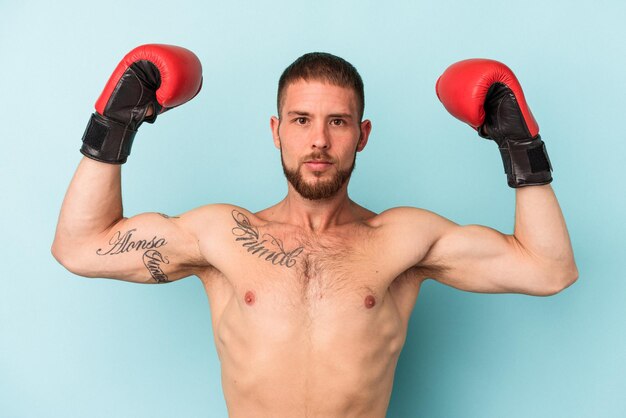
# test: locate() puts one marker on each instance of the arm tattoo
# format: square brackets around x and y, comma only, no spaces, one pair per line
[266,246]
[169,217]
[152,259]
[123,243]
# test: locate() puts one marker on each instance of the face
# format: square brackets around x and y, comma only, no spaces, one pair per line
[319,134]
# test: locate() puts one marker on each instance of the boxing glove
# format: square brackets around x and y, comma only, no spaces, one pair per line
[156,77]
[486,95]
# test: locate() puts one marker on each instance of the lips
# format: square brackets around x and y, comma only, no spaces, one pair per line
[318,165]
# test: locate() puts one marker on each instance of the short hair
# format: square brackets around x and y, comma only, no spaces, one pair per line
[322,66]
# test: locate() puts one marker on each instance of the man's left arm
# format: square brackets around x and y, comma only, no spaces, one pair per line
[537,258]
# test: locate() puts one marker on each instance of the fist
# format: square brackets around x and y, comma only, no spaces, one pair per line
[149,80]
[486,95]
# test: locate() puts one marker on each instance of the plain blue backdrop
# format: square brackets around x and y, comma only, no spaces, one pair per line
[76,347]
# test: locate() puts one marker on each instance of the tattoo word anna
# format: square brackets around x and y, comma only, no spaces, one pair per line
[152,259]
[123,243]
[266,246]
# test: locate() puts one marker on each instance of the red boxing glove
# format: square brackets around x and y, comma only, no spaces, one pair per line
[154,76]
[486,95]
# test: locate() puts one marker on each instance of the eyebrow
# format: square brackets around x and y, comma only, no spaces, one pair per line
[332,115]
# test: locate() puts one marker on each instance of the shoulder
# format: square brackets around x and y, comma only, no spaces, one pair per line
[409,233]
[410,218]
[214,219]
[212,226]
[216,212]
[414,228]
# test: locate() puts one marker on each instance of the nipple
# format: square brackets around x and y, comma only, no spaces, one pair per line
[249,298]
[370,301]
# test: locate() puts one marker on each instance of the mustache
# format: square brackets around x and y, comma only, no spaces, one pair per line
[318,156]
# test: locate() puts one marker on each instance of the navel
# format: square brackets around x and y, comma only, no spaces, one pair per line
[370,301]
[249,298]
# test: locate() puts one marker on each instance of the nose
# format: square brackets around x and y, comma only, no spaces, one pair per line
[320,138]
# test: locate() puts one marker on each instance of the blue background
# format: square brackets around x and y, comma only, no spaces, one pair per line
[75,347]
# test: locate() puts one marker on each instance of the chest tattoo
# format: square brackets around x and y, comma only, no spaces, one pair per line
[264,246]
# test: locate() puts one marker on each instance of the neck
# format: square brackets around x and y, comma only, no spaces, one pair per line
[316,215]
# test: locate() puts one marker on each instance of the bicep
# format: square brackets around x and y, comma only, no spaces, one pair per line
[480,259]
[147,248]
[473,258]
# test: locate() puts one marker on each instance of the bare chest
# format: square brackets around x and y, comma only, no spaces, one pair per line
[308,270]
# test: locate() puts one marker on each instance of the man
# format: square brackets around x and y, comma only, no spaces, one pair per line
[310,298]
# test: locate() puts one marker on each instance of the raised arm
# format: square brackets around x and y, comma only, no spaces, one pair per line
[537,258]
[93,238]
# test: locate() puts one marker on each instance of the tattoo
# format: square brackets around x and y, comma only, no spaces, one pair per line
[169,217]
[245,231]
[152,259]
[124,243]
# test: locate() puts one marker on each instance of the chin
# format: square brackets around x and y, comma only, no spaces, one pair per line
[317,185]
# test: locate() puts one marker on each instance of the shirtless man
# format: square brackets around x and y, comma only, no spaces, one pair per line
[310,298]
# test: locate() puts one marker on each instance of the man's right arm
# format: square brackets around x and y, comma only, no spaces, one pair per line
[93,239]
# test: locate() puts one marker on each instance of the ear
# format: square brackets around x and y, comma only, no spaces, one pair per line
[366,129]
[274,124]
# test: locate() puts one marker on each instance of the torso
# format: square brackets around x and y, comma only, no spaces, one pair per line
[305,325]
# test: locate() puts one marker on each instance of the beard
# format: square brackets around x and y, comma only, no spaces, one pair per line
[319,189]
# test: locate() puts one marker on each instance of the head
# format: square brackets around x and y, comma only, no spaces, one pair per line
[319,129]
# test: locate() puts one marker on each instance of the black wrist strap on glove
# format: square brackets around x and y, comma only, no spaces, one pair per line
[106,140]
[524,156]
[526,163]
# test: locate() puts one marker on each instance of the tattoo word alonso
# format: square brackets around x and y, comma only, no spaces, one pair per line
[152,259]
[124,243]
[266,246]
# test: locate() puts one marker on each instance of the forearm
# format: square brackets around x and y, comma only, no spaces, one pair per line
[92,204]
[540,229]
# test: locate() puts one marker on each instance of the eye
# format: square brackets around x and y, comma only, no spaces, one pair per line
[301,120]
[337,122]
